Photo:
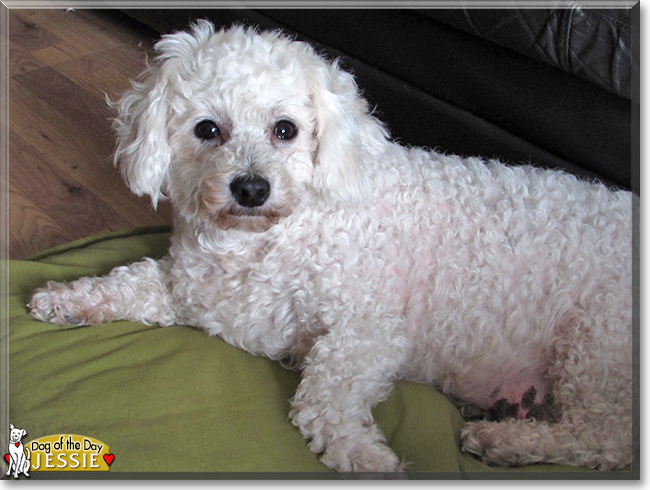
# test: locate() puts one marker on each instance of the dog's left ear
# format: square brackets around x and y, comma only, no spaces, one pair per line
[24,432]
[348,136]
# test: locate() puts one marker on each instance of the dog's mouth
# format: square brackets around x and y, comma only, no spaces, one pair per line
[247,219]
[234,216]
[248,203]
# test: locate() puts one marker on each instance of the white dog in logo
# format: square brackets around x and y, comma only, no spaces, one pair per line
[19,461]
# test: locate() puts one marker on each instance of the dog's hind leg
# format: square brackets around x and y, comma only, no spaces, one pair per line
[27,462]
[594,395]
[519,442]
[137,292]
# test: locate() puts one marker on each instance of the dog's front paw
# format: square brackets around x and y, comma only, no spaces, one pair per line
[63,304]
[348,455]
[55,304]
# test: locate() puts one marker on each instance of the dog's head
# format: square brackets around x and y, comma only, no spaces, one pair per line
[238,127]
[16,435]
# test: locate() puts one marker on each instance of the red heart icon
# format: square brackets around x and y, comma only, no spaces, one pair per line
[7,457]
[17,444]
[109,458]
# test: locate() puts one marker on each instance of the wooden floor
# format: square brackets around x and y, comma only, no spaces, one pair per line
[62,184]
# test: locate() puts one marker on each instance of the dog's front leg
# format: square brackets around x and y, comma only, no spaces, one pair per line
[137,292]
[345,376]
[20,458]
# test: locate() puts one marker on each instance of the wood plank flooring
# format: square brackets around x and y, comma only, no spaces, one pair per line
[62,184]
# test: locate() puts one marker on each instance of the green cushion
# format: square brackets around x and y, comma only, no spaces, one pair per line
[174,400]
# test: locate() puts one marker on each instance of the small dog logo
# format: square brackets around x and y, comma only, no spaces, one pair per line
[16,457]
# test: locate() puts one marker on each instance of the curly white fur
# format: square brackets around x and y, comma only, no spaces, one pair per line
[368,261]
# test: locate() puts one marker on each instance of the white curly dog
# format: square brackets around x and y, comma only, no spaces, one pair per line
[302,232]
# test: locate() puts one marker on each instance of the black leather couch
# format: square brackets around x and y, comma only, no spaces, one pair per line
[552,87]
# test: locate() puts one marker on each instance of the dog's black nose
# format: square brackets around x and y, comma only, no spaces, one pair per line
[250,192]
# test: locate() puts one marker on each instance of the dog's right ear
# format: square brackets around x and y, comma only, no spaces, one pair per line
[143,152]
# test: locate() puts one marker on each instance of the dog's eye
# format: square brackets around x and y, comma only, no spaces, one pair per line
[206,130]
[285,130]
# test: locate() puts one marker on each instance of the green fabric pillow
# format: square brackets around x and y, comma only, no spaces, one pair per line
[174,400]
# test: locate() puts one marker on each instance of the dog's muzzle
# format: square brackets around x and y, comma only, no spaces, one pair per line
[250,191]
